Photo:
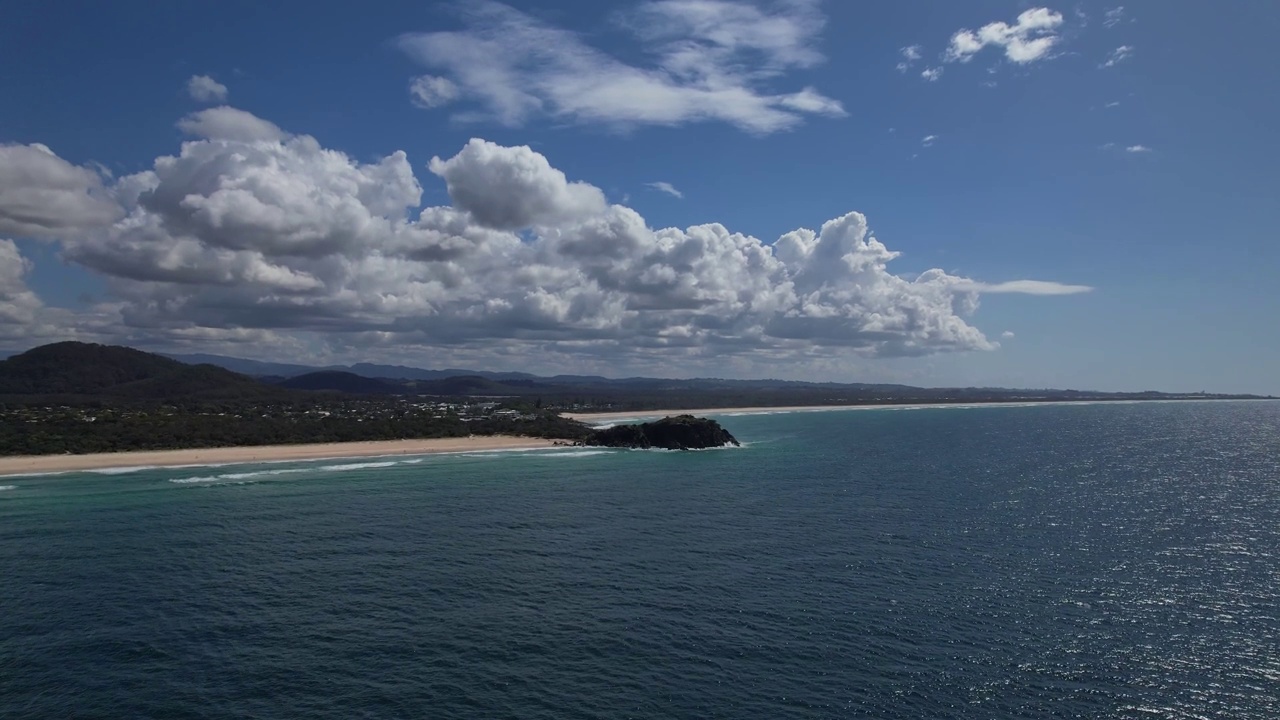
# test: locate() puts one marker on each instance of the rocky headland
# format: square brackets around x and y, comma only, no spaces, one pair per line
[681,432]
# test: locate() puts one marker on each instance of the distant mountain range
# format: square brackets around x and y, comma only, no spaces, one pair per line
[257,368]
[80,369]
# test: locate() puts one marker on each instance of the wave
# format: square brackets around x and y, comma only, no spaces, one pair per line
[496,452]
[358,466]
[264,473]
[253,474]
[123,470]
[208,479]
[141,468]
[240,477]
[8,487]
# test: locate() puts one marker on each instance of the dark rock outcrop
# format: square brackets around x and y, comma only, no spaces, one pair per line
[682,432]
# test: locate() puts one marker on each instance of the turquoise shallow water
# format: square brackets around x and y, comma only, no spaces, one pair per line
[1100,561]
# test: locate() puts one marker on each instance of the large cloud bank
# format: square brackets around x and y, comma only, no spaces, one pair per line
[251,234]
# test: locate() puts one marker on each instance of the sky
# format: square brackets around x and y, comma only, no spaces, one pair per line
[982,193]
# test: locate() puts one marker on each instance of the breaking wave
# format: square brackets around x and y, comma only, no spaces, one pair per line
[358,466]
[123,470]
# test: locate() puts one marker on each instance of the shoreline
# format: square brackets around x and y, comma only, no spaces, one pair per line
[773,409]
[20,465]
[762,410]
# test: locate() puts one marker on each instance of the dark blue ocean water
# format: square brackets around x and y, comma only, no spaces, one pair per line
[1099,561]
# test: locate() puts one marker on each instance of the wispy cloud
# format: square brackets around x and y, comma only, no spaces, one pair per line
[1130,149]
[667,188]
[1029,39]
[1117,56]
[928,140]
[701,60]
[1113,103]
[1007,335]
[1113,17]
[429,91]
[910,54]
[1026,287]
[203,88]
[931,74]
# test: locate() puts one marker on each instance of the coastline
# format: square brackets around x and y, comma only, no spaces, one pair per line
[772,409]
[763,410]
[51,464]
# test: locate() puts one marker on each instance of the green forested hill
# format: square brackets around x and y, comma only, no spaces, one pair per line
[86,369]
[341,381]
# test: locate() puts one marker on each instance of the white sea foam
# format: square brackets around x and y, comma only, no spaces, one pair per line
[264,473]
[227,478]
[496,452]
[123,470]
[240,476]
[358,466]
[575,453]
[8,487]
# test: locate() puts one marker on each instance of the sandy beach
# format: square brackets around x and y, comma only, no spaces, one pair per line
[35,464]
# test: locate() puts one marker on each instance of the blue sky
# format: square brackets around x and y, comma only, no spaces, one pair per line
[1062,195]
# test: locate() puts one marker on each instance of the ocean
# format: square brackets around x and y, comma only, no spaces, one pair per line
[1057,561]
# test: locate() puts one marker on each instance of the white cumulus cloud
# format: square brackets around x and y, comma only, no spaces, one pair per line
[931,74]
[228,123]
[18,305]
[1137,149]
[701,60]
[275,240]
[42,195]
[24,318]
[1029,39]
[509,188]
[203,88]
